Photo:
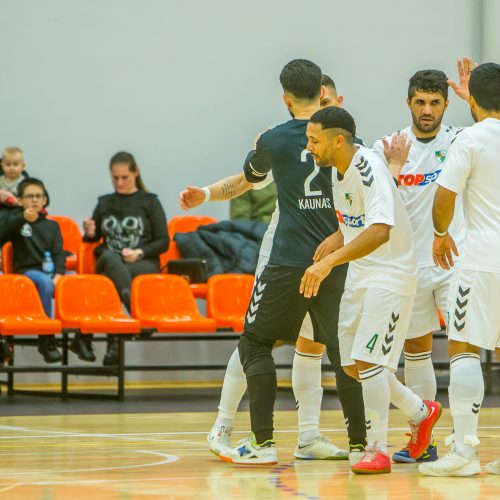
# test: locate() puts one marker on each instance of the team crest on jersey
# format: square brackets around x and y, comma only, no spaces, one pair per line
[440,155]
[348,198]
[26,231]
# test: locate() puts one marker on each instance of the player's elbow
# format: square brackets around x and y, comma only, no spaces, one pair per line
[382,233]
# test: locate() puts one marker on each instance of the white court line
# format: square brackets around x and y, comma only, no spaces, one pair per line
[74,434]
[167,459]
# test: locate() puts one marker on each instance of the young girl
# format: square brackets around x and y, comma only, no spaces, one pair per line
[35,239]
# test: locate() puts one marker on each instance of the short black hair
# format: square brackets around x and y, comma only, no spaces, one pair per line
[484,86]
[333,117]
[302,78]
[327,81]
[428,80]
[32,181]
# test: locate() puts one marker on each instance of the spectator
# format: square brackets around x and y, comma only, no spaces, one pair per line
[256,204]
[133,226]
[36,239]
[11,175]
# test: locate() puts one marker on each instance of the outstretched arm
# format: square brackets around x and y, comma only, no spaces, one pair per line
[465,67]
[225,189]
[443,246]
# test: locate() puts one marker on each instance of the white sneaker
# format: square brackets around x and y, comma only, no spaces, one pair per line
[452,464]
[248,452]
[493,467]
[219,439]
[319,448]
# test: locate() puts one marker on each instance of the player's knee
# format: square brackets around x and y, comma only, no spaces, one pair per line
[307,346]
[255,356]
[498,353]
[455,348]
[418,345]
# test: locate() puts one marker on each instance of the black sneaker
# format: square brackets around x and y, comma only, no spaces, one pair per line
[47,347]
[82,346]
[111,356]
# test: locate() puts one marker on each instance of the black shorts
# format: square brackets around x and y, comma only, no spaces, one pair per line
[277,308]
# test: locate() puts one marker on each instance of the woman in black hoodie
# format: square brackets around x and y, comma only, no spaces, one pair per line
[133,228]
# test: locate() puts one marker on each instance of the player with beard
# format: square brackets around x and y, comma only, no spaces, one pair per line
[431,139]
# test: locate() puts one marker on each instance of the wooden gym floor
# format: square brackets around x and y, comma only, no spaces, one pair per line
[165,455]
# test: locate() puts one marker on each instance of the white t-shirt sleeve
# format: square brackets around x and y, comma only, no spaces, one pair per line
[379,200]
[378,149]
[261,185]
[458,165]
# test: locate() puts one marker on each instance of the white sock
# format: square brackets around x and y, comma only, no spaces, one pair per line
[376,396]
[306,383]
[419,375]
[404,399]
[466,394]
[233,388]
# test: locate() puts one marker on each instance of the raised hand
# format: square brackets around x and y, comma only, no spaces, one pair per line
[396,153]
[465,67]
[89,227]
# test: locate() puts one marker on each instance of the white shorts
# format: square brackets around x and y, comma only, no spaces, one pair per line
[432,295]
[306,330]
[474,308]
[373,325]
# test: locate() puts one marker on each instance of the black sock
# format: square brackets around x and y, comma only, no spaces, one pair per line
[351,398]
[262,394]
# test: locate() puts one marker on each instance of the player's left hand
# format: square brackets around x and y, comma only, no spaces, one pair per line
[328,245]
[443,248]
[465,67]
[396,153]
[314,275]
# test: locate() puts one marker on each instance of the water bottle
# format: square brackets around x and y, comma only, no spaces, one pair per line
[48,264]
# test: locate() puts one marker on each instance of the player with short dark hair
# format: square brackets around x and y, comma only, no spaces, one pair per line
[375,237]
[427,101]
[277,310]
[474,318]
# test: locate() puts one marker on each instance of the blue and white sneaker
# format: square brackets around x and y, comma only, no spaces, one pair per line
[248,452]
[403,456]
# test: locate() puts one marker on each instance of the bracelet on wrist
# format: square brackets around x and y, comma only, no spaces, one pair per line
[440,235]
[206,190]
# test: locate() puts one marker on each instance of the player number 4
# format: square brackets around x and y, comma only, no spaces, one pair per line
[371,345]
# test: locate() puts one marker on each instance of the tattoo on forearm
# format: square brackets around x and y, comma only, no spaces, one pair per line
[228,189]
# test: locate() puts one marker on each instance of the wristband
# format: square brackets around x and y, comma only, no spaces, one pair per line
[440,235]
[206,190]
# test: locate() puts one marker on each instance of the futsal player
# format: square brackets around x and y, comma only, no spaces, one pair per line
[376,237]
[473,312]
[430,140]
[277,310]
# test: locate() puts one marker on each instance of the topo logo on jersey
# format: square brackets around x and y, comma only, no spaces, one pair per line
[351,220]
[314,203]
[418,179]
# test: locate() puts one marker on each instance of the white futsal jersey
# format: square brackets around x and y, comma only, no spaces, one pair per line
[473,168]
[368,195]
[417,187]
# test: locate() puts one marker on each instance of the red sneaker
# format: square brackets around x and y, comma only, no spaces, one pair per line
[373,462]
[421,433]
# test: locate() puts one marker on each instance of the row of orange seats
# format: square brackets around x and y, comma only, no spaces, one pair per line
[89,303]
[81,255]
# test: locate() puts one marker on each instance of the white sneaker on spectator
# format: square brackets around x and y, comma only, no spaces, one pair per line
[493,467]
[219,439]
[319,448]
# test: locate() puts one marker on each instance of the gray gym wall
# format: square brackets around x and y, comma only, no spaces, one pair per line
[186,85]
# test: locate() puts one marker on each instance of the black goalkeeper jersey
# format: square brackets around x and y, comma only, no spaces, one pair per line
[306,212]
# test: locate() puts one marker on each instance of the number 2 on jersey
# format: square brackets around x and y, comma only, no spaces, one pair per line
[310,177]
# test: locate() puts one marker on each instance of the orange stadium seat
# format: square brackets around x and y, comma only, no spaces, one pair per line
[21,311]
[86,259]
[165,302]
[72,238]
[228,297]
[7,258]
[187,223]
[90,303]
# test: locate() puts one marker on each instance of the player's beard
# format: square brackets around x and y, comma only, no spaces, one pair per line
[427,129]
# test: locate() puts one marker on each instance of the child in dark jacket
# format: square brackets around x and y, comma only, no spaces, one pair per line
[36,239]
